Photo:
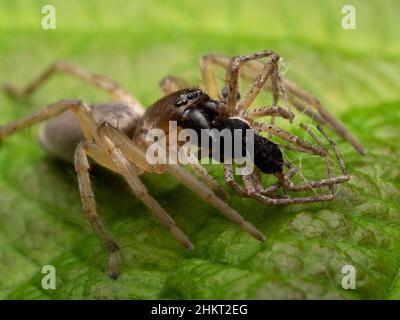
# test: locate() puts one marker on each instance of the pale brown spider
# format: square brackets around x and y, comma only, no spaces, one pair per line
[113,134]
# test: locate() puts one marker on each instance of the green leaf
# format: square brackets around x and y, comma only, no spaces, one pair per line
[356,73]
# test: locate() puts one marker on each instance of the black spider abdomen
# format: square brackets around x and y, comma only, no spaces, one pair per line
[267,155]
[237,129]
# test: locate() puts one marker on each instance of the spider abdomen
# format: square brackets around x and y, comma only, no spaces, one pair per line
[61,134]
[267,155]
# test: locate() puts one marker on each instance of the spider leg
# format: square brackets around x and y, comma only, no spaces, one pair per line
[229,176]
[131,174]
[208,179]
[115,90]
[327,159]
[334,123]
[270,128]
[207,195]
[287,200]
[170,84]
[233,75]
[273,111]
[89,206]
[253,185]
[78,107]
[271,189]
[276,86]
[249,186]
[251,69]
[254,182]
[330,181]
[209,77]
[264,196]
[335,149]
[305,109]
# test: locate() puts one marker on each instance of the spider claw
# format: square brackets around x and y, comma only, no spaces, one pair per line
[114,265]
[113,275]
[252,230]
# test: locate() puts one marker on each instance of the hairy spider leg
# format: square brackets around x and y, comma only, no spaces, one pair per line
[116,92]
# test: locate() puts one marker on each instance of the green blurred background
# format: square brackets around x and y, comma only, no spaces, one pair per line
[138,42]
[356,73]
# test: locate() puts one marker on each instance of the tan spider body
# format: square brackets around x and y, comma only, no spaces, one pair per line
[112,134]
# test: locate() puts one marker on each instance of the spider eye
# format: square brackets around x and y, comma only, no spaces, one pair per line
[182,100]
[186,97]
